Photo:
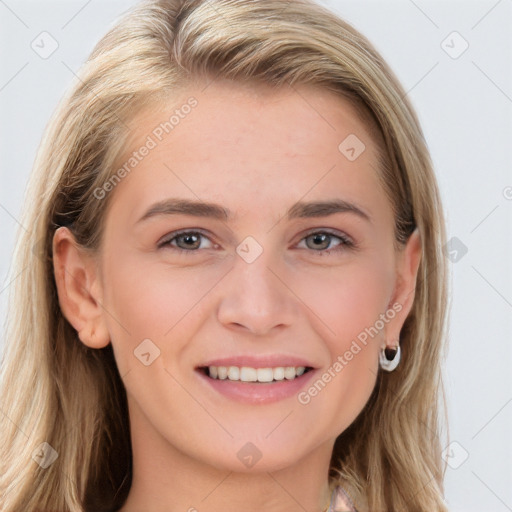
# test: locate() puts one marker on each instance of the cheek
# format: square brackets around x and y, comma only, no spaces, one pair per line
[144,300]
[349,299]
[348,305]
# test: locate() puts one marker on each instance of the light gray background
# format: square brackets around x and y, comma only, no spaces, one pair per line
[465,106]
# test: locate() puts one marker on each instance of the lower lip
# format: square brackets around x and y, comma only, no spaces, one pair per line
[258,393]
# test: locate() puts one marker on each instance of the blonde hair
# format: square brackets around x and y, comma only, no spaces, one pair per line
[54,389]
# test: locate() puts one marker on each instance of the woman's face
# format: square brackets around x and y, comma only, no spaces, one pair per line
[251,234]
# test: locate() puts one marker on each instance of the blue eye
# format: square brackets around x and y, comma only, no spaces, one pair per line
[322,241]
[186,241]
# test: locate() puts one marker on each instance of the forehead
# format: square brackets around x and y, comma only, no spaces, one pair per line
[239,143]
[235,107]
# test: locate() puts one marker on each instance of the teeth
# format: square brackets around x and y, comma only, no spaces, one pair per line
[247,374]
[278,373]
[265,375]
[233,373]
[289,373]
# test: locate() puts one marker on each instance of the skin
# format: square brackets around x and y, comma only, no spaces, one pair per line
[255,152]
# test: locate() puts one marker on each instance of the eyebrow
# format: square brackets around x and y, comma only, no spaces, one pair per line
[300,210]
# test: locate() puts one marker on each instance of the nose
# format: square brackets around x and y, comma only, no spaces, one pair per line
[255,298]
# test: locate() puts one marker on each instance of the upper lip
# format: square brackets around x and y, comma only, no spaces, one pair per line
[261,361]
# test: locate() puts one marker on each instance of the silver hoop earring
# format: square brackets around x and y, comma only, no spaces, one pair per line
[389,358]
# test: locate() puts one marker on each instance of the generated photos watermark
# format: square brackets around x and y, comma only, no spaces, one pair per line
[157,135]
[305,397]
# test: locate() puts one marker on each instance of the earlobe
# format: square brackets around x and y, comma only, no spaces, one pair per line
[78,289]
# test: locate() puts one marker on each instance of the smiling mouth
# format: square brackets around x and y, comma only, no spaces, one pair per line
[254,375]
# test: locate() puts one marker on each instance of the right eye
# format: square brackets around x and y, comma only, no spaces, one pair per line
[186,241]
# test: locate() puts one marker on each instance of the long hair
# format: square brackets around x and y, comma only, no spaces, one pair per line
[55,390]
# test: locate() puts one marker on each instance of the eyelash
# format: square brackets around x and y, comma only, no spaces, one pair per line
[345,241]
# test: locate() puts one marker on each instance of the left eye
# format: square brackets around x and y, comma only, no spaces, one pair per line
[321,241]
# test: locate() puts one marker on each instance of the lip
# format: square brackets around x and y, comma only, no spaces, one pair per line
[265,361]
[257,392]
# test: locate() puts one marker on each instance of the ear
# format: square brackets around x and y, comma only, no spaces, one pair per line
[408,261]
[79,289]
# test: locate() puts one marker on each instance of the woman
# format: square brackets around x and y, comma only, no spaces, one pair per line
[180,342]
